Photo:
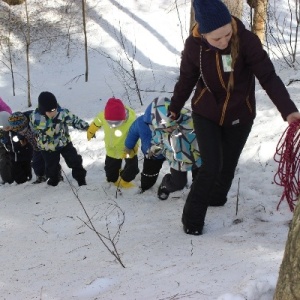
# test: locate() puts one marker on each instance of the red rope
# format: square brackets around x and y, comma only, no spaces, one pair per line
[288,157]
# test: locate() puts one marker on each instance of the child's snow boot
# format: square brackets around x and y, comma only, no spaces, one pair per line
[81,182]
[40,179]
[124,184]
[163,193]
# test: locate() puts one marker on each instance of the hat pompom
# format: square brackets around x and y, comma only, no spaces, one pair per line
[114,110]
[18,121]
[47,102]
[211,15]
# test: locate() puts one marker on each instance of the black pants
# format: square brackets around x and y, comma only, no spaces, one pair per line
[5,165]
[38,163]
[177,180]
[150,172]
[113,168]
[21,171]
[220,149]
[72,159]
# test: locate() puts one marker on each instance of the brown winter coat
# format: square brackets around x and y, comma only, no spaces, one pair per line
[211,99]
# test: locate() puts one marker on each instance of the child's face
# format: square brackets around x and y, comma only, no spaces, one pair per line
[114,124]
[51,114]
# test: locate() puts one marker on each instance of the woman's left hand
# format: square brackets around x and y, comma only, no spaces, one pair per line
[293,117]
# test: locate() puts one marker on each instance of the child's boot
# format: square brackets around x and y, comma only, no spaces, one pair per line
[40,179]
[81,182]
[124,184]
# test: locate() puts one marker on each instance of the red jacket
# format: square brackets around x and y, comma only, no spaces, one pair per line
[211,99]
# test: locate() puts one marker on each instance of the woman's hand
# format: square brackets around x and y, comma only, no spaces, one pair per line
[293,117]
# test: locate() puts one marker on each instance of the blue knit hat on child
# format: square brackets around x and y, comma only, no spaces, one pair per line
[211,15]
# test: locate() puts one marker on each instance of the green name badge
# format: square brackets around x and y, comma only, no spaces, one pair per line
[226,60]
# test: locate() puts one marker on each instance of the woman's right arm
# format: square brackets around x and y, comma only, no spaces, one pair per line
[189,75]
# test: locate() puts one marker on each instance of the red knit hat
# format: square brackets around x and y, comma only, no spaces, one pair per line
[114,110]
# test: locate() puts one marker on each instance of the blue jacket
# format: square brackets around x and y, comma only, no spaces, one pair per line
[141,128]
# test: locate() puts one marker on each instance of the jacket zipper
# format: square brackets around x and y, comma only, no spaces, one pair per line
[201,94]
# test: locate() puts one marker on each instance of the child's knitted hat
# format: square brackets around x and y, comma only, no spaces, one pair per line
[114,110]
[18,121]
[47,102]
[4,115]
[211,15]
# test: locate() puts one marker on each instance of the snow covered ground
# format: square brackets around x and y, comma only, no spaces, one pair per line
[48,252]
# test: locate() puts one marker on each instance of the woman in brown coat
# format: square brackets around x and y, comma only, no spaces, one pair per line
[222,58]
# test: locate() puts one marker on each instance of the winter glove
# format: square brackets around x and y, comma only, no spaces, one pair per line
[154,151]
[91,131]
[175,117]
[130,153]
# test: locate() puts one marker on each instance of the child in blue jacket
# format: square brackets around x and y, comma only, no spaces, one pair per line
[141,129]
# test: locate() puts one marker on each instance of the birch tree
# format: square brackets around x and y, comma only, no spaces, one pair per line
[288,284]
[259,17]
[235,7]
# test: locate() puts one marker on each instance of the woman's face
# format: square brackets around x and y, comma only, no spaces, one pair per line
[220,37]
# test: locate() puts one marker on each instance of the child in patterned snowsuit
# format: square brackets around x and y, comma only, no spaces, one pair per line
[19,123]
[50,122]
[177,142]
[17,154]
[116,120]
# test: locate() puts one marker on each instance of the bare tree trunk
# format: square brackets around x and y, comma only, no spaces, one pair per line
[260,18]
[235,7]
[27,38]
[10,58]
[13,2]
[85,41]
[288,284]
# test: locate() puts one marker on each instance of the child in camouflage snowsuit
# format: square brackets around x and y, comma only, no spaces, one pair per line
[50,123]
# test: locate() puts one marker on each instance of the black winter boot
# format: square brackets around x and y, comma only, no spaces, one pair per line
[192,231]
[40,179]
[163,193]
[54,181]
[81,182]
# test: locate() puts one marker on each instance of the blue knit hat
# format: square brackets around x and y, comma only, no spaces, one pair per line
[211,15]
